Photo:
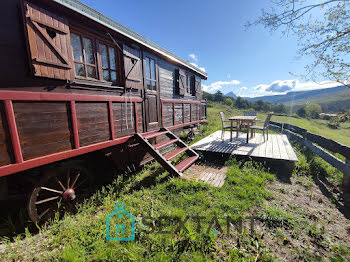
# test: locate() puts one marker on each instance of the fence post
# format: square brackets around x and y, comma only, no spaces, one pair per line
[346,178]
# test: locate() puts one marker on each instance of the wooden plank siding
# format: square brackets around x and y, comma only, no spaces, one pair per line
[43,128]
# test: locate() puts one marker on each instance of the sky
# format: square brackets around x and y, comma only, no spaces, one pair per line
[212,35]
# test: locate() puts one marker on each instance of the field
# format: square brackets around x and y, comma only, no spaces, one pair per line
[296,216]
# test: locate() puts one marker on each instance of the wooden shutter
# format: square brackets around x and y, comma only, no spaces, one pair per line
[49,43]
[180,77]
[132,67]
[197,89]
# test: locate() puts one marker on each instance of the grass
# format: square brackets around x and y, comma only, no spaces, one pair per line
[82,237]
[317,126]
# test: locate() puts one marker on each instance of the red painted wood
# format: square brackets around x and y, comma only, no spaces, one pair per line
[14,168]
[182,166]
[111,123]
[42,96]
[175,153]
[178,101]
[136,118]
[186,124]
[165,143]
[10,115]
[74,125]
[154,134]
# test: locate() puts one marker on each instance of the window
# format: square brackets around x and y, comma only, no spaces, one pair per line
[150,67]
[108,60]
[187,84]
[84,56]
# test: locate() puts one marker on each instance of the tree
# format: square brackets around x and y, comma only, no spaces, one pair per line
[301,112]
[219,97]
[323,31]
[313,110]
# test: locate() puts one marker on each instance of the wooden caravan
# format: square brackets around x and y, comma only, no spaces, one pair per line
[74,81]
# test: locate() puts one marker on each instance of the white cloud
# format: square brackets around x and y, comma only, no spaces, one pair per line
[219,85]
[201,68]
[243,88]
[193,57]
[285,86]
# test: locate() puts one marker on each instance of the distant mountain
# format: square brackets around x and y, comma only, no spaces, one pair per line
[293,96]
[231,94]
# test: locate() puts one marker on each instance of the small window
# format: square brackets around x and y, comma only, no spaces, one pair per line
[84,56]
[108,60]
[151,79]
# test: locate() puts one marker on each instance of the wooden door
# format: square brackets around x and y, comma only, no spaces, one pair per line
[151,91]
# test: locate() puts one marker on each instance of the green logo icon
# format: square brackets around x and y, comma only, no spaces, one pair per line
[120,224]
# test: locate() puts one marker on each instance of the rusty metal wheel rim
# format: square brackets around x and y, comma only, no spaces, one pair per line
[59,191]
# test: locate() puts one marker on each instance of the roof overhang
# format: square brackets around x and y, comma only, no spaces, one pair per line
[96,16]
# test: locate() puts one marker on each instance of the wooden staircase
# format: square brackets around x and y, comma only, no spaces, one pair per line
[166,159]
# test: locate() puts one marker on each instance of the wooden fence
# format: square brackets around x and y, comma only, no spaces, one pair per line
[320,146]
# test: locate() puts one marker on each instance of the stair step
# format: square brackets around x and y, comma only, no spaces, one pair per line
[182,166]
[154,134]
[165,143]
[175,153]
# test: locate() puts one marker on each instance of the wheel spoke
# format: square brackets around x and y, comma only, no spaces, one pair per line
[44,213]
[82,182]
[52,190]
[60,183]
[75,180]
[46,200]
[68,178]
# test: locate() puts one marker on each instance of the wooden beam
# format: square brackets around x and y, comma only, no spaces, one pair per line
[74,125]
[16,145]
[111,119]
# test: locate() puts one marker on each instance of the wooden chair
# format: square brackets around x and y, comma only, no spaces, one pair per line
[226,127]
[265,127]
[249,113]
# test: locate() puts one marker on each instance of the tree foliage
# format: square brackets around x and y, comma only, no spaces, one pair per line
[313,110]
[323,30]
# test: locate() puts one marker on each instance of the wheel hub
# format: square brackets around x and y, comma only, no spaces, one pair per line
[69,194]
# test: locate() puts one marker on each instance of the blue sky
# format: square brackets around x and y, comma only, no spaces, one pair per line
[212,35]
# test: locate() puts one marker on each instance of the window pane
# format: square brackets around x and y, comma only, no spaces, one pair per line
[106,75]
[77,49]
[148,83]
[89,54]
[79,70]
[112,57]
[91,71]
[113,76]
[153,68]
[104,56]
[147,68]
[154,87]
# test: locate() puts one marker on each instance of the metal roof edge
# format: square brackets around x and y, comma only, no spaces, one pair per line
[91,13]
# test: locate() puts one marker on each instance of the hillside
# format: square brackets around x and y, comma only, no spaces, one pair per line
[329,98]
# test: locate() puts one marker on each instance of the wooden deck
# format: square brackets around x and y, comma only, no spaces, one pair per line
[277,147]
[209,174]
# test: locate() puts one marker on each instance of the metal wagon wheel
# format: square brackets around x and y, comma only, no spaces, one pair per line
[190,136]
[59,190]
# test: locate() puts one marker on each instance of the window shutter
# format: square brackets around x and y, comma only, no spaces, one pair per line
[49,43]
[180,82]
[198,89]
[132,67]
[193,85]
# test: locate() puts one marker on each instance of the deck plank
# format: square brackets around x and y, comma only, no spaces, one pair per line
[276,147]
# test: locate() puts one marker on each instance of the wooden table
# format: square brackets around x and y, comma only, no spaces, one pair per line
[241,120]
